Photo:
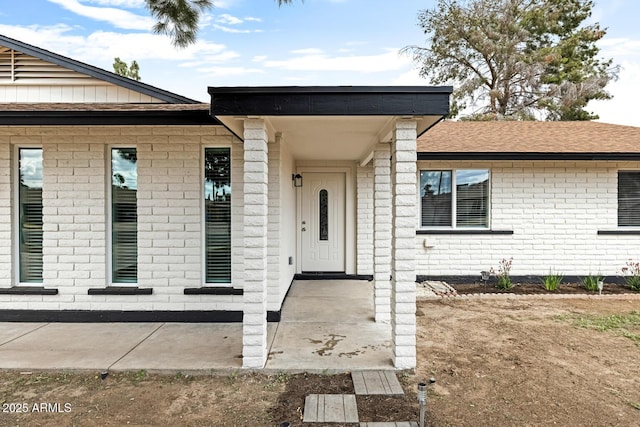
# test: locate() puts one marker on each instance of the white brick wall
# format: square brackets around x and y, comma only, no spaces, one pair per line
[75,162]
[274,225]
[364,226]
[382,235]
[6,204]
[555,210]
[403,257]
[73,209]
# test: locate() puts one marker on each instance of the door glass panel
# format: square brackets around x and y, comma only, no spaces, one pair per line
[324,215]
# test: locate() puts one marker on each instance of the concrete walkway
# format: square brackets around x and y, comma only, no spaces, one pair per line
[326,326]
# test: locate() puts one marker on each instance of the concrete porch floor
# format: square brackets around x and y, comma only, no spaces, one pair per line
[326,325]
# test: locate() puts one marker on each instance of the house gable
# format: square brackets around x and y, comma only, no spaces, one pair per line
[29,74]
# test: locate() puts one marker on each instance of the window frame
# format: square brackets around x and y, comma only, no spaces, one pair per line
[203,217]
[15,221]
[635,227]
[109,216]
[454,200]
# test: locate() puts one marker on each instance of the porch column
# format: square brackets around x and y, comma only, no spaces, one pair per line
[403,270]
[254,321]
[382,233]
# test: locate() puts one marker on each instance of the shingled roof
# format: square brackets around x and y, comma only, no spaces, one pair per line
[502,140]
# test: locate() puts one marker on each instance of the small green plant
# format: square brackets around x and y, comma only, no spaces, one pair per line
[552,281]
[503,274]
[624,325]
[631,272]
[590,283]
[140,374]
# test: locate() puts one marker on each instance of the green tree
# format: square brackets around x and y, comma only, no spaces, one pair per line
[515,59]
[121,68]
[179,19]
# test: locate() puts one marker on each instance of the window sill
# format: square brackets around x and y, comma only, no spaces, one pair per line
[213,290]
[120,290]
[462,231]
[28,290]
[619,232]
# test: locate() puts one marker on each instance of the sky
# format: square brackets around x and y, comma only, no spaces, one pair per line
[257,43]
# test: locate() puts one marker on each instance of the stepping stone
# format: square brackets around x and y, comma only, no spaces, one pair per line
[330,408]
[390,424]
[376,382]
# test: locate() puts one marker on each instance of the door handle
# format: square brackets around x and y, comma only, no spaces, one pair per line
[304,229]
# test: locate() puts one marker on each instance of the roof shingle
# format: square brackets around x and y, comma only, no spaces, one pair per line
[529,137]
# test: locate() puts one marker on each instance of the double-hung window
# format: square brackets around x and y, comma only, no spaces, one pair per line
[30,215]
[629,199]
[454,198]
[217,215]
[124,216]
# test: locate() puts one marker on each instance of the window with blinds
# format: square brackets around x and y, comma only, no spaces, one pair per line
[124,215]
[629,199]
[30,215]
[217,211]
[454,198]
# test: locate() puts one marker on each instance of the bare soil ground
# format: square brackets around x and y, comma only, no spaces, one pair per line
[496,362]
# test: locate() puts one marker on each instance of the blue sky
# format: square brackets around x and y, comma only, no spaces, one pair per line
[254,42]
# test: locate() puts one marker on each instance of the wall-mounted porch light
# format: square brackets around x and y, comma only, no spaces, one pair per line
[297,180]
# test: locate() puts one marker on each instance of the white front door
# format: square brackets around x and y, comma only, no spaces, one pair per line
[323,222]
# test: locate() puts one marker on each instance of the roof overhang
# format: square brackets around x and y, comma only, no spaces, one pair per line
[105,114]
[330,122]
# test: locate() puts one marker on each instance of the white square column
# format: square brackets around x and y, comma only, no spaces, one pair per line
[382,233]
[256,171]
[403,268]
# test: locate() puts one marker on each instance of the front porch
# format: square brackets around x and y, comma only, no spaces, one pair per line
[328,134]
[326,326]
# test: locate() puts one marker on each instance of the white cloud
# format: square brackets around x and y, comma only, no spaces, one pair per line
[259,58]
[252,19]
[130,4]
[228,71]
[101,47]
[388,61]
[232,30]
[116,17]
[410,78]
[225,18]
[308,51]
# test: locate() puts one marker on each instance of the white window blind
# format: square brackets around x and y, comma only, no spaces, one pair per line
[124,215]
[30,214]
[217,202]
[629,199]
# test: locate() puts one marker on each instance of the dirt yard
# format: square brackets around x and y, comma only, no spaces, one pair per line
[561,362]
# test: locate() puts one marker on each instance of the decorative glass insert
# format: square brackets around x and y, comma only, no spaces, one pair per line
[217,210]
[324,214]
[30,214]
[124,215]
[629,199]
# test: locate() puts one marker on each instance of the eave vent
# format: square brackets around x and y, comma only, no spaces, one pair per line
[17,67]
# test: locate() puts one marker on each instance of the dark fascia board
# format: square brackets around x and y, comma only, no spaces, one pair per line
[96,72]
[106,118]
[330,101]
[528,156]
